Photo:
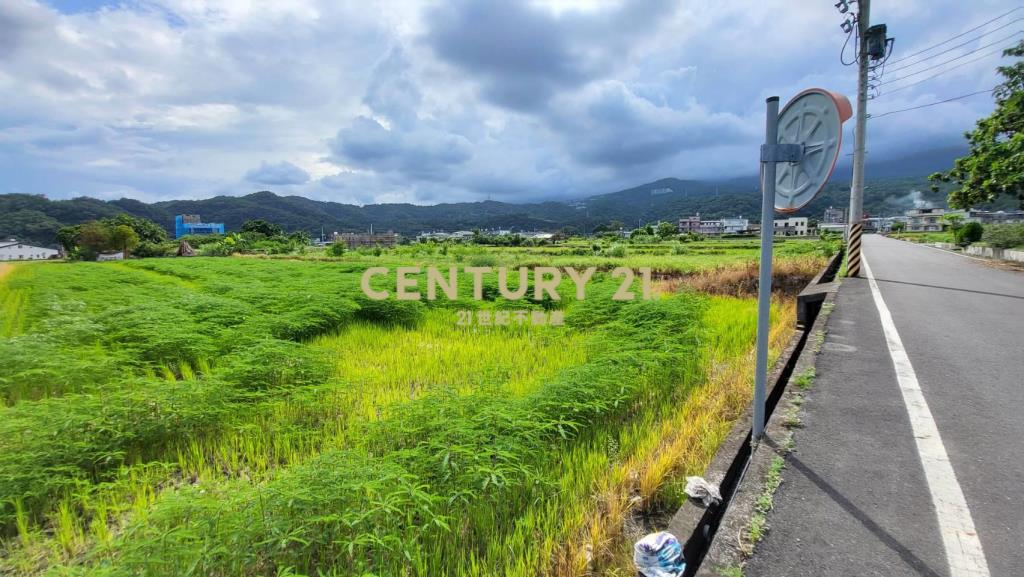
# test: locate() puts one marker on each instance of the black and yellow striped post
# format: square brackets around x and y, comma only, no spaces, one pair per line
[853,250]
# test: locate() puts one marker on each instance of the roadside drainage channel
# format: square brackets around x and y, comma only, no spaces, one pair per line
[696,525]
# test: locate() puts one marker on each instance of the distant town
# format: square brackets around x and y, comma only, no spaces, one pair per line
[832,221]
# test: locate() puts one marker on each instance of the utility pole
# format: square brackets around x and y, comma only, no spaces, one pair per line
[856,227]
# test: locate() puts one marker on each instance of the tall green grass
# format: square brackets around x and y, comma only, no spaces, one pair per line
[251,416]
[477,466]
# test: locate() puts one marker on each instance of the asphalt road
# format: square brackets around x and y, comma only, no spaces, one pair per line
[855,500]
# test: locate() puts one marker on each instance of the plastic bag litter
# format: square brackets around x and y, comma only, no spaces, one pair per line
[700,488]
[659,555]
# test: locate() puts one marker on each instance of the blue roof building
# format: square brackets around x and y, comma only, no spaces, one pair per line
[185,224]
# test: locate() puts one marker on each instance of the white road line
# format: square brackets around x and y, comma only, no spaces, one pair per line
[963,547]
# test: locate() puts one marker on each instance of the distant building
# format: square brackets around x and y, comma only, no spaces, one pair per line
[881,224]
[988,216]
[736,225]
[358,239]
[11,249]
[834,216]
[712,227]
[925,219]
[689,224]
[660,191]
[105,256]
[793,226]
[186,224]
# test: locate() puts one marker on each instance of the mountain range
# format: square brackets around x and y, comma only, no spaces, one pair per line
[35,219]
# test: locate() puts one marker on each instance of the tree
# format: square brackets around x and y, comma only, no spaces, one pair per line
[300,237]
[995,163]
[953,222]
[667,229]
[567,231]
[899,226]
[260,226]
[124,238]
[610,226]
[67,236]
[93,238]
[145,229]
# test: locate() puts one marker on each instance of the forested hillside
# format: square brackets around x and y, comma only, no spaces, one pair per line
[36,219]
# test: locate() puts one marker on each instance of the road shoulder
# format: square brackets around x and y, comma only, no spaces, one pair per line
[851,497]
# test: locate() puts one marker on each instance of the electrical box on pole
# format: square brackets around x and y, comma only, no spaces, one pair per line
[877,43]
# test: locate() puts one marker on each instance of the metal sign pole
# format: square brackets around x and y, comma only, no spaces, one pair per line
[764,287]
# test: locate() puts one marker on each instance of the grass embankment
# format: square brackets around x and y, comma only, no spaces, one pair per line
[240,416]
[945,236]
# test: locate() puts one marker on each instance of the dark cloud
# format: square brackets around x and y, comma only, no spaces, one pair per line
[613,127]
[420,152]
[523,54]
[282,173]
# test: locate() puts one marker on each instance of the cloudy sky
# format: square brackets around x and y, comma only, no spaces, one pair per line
[425,102]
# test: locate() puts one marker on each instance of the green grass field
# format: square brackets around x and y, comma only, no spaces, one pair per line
[250,416]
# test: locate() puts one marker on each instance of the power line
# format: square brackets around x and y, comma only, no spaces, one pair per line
[961,97]
[941,64]
[961,35]
[842,53]
[961,45]
[941,72]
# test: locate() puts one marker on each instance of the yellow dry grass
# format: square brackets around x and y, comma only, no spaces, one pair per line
[789,276]
[682,444]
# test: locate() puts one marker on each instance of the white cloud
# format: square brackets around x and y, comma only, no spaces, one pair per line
[431,101]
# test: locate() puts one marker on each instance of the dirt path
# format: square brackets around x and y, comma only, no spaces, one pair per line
[5,268]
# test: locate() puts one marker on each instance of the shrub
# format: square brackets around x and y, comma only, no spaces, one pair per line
[1004,235]
[968,233]
[216,249]
[337,249]
[149,249]
[616,250]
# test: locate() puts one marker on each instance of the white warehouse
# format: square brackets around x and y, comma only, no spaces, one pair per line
[13,250]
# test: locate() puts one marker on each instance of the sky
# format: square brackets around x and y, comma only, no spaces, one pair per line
[427,102]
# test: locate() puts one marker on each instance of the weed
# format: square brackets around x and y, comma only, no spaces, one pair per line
[805,379]
[764,502]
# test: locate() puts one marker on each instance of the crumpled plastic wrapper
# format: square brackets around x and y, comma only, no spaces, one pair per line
[699,488]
